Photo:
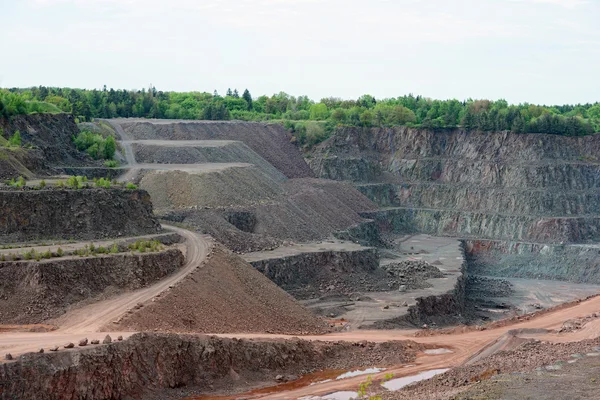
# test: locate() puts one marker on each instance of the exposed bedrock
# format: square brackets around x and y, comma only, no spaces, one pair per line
[84,214]
[317,267]
[577,263]
[476,198]
[507,186]
[488,225]
[32,292]
[271,141]
[146,364]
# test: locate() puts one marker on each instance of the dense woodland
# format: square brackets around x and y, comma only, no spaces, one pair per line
[311,121]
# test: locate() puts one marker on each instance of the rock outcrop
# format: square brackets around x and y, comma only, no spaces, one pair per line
[149,363]
[67,214]
[50,136]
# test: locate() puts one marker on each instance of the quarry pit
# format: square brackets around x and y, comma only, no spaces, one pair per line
[397,237]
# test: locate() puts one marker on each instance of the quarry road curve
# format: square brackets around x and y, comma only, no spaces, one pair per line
[94,317]
[466,346]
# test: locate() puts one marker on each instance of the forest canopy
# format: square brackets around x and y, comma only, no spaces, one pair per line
[309,119]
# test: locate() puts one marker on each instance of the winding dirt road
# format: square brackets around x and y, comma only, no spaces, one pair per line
[87,321]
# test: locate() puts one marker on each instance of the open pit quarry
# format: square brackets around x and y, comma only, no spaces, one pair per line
[402,253]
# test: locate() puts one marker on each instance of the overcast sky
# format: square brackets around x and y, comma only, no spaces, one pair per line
[540,51]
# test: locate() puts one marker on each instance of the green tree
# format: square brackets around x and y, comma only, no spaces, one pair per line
[319,112]
[248,97]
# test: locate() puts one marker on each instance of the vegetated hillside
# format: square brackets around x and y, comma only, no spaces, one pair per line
[271,141]
[489,185]
[84,214]
[226,295]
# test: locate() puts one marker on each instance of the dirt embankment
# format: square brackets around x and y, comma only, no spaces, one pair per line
[66,214]
[146,364]
[227,295]
[33,292]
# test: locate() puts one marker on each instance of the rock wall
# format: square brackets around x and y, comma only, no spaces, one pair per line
[51,135]
[577,263]
[444,309]
[318,268]
[487,225]
[529,187]
[84,214]
[32,292]
[145,364]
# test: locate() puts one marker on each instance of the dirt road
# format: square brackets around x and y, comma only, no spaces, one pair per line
[89,320]
[463,345]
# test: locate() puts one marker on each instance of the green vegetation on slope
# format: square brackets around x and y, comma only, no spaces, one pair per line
[311,121]
[95,145]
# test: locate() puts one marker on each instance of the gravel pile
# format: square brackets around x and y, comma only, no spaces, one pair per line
[271,141]
[235,186]
[412,274]
[228,152]
[225,295]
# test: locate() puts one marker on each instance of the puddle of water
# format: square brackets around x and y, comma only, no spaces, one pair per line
[437,351]
[367,371]
[333,396]
[306,380]
[399,383]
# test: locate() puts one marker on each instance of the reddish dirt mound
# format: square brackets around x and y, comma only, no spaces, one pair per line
[227,295]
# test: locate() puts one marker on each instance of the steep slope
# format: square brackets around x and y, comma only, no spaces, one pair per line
[270,141]
[487,185]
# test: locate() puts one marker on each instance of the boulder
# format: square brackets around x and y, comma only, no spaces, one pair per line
[107,340]
[69,345]
[83,342]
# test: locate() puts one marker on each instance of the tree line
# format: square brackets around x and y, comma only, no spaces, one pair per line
[303,114]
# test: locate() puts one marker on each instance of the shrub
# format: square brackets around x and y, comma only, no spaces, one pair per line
[74,182]
[47,254]
[42,184]
[111,163]
[105,183]
[15,139]
[131,186]
[2,257]
[114,249]
[60,184]
[60,252]
[95,145]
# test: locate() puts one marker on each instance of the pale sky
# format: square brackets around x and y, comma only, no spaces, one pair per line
[539,51]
